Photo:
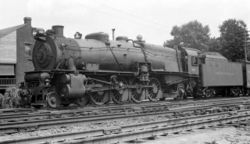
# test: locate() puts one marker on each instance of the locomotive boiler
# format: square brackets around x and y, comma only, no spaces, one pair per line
[99,70]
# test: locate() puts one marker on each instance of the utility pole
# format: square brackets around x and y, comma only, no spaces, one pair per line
[245,45]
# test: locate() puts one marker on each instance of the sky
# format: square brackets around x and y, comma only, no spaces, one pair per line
[153,19]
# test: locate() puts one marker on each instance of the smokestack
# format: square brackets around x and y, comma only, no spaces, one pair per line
[58,29]
[27,20]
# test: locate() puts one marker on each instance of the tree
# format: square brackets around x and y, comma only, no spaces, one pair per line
[214,44]
[232,39]
[192,34]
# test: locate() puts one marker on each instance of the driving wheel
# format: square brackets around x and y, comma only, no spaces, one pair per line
[136,92]
[154,89]
[120,92]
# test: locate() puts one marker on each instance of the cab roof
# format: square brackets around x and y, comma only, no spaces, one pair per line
[192,51]
[214,55]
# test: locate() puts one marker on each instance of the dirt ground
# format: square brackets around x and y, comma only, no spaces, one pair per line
[228,135]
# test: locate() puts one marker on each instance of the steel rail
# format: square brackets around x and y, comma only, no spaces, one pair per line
[154,131]
[102,110]
[48,123]
[136,131]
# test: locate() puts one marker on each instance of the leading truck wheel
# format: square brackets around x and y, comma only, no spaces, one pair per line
[53,100]
[99,98]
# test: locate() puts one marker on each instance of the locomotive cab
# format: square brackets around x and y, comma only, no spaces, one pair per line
[192,60]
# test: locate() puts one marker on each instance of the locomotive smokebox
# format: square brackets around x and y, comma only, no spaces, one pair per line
[58,29]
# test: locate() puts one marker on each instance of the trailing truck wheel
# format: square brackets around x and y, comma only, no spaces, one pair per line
[181,92]
[53,100]
[153,92]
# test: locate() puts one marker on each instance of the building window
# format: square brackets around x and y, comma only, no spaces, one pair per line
[27,49]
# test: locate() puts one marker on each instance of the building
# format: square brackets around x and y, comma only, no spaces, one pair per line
[15,48]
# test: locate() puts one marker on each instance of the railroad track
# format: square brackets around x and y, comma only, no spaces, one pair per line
[11,111]
[9,125]
[12,126]
[149,130]
[48,121]
[13,115]
[170,103]
[134,132]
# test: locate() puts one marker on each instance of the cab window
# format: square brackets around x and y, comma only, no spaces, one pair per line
[194,60]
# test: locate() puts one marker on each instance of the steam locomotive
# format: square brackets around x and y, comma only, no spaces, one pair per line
[99,70]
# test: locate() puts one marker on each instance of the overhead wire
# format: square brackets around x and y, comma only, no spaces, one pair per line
[135,18]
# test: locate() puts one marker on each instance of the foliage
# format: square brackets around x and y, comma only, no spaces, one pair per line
[214,44]
[192,34]
[232,39]
[230,43]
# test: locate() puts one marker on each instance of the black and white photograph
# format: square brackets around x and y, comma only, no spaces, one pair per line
[124,72]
